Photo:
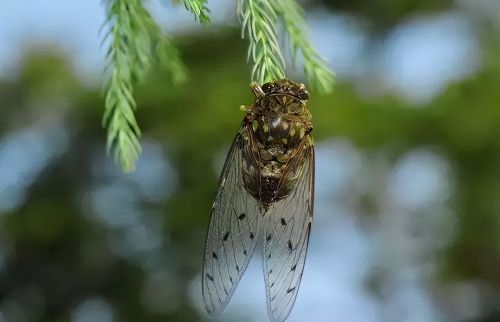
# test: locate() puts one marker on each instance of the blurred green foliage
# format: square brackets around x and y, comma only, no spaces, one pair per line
[383,14]
[57,251]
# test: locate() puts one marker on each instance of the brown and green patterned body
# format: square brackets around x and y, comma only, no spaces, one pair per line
[279,131]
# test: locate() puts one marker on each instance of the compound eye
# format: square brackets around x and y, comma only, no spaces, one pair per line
[268,87]
[303,95]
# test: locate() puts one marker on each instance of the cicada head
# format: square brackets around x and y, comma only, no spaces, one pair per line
[281,96]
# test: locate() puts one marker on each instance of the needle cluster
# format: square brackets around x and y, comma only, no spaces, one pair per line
[319,76]
[135,41]
[199,9]
[259,21]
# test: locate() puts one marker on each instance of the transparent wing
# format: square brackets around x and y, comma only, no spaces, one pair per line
[287,235]
[235,227]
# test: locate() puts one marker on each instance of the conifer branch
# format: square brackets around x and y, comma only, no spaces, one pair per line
[199,9]
[319,76]
[258,23]
[135,40]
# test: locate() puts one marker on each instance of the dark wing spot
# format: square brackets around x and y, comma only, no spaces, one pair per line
[268,238]
[245,252]
[252,236]
[271,271]
[242,216]
[225,237]
[290,245]
[210,277]
[237,268]
[214,255]
[230,279]
[290,290]
[272,284]
[293,267]
[269,256]
[225,291]
[283,221]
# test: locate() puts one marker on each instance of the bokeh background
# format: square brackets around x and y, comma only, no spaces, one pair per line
[407,221]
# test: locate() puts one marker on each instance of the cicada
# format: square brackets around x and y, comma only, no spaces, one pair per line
[265,196]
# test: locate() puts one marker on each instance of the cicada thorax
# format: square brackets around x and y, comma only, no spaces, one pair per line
[267,175]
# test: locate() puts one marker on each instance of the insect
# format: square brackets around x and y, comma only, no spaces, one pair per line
[265,196]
